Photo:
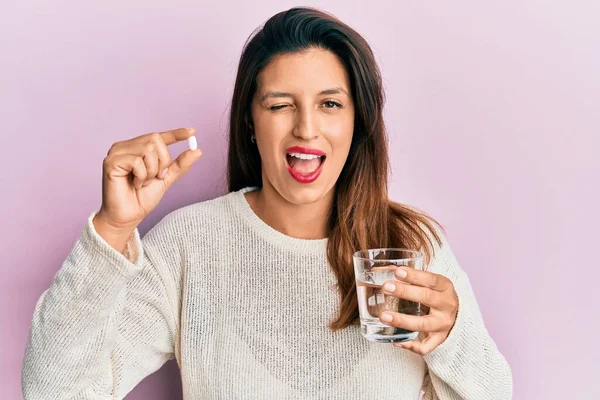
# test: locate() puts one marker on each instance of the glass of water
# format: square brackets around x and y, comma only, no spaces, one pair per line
[372,268]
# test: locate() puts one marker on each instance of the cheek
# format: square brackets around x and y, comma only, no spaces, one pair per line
[340,139]
[270,148]
[272,127]
[270,133]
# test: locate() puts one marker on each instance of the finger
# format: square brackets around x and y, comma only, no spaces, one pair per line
[164,157]
[151,161]
[120,165]
[152,152]
[139,172]
[424,347]
[176,135]
[415,293]
[415,323]
[167,137]
[423,278]
[181,165]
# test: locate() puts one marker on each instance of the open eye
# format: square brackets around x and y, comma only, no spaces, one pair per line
[332,104]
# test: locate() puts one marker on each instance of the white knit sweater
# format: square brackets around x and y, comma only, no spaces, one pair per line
[244,309]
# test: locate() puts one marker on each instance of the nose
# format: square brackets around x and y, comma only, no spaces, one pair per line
[306,125]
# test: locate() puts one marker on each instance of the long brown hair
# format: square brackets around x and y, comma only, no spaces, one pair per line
[362,215]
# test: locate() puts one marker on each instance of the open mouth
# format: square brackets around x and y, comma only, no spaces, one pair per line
[304,164]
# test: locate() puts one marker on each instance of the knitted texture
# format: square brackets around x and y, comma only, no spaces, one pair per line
[244,310]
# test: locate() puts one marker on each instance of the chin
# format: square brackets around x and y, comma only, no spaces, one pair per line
[301,194]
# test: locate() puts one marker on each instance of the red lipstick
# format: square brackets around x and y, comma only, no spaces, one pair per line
[306,178]
[299,176]
[304,150]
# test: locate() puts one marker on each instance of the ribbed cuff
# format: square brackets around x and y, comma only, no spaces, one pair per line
[126,267]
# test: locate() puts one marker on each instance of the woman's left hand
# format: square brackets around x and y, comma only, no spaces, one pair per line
[432,290]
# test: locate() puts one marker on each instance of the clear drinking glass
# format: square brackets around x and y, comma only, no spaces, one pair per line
[372,268]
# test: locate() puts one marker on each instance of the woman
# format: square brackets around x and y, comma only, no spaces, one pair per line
[253,292]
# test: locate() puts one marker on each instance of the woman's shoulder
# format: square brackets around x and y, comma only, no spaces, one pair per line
[211,206]
[201,221]
[218,211]
[218,208]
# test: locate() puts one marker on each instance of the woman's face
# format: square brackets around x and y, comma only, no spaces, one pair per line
[303,101]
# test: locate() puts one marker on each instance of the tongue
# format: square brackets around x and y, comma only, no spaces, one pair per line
[304,166]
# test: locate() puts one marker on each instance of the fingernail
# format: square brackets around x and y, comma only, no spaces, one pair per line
[398,344]
[400,273]
[385,317]
[164,173]
[389,287]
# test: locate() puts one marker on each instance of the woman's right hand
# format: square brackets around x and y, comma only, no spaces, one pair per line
[132,180]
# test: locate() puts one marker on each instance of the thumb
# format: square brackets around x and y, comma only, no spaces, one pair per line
[181,165]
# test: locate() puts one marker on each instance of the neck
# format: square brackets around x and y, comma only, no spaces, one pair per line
[302,221]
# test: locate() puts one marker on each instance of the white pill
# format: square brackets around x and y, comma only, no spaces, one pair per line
[192,143]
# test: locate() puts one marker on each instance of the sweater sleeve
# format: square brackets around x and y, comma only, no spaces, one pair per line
[467,365]
[104,324]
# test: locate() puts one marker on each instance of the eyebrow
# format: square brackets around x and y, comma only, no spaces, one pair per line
[335,90]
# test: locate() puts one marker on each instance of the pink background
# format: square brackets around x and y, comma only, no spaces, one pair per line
[493,119]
